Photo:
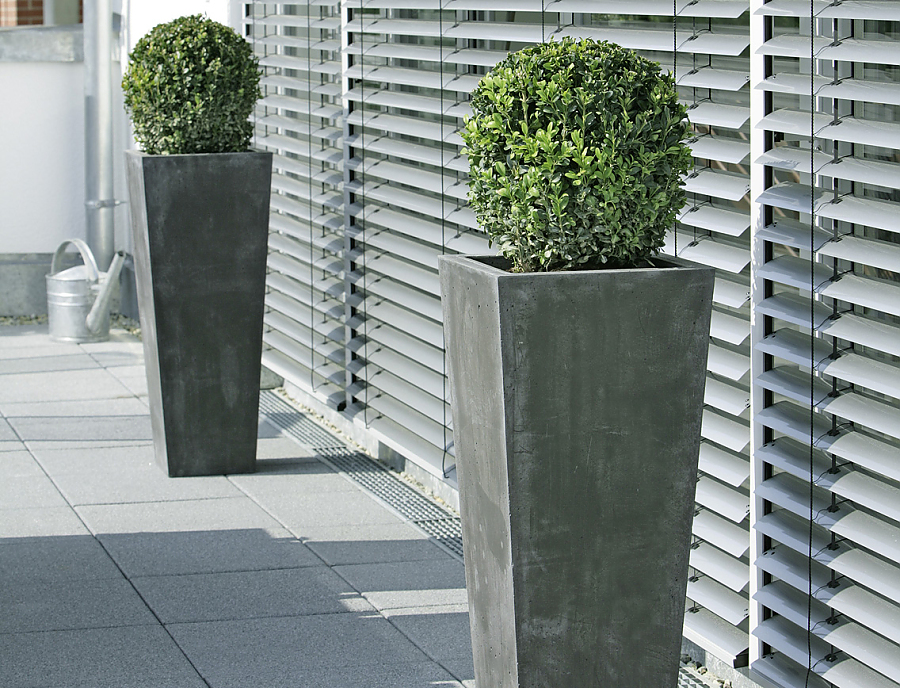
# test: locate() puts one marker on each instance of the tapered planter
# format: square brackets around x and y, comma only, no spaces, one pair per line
[200,226]
[577,401]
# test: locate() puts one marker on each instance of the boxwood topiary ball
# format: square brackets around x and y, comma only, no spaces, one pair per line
[190,87]
[576,153]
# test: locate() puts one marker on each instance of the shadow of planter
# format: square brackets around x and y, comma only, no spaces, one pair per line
[577,404]
[200,226]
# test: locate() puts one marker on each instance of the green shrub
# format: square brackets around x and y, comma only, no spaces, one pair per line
[190,88]
[576,155]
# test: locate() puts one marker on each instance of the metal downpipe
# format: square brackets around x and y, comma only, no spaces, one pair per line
[98,126]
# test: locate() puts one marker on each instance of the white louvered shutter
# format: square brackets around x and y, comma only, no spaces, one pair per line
[299,119]
[827,344]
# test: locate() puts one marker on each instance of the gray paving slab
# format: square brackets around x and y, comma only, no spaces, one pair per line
[119,342]
[272,452]
[134,377]
[280,651]
[119,475]
[442,632]
[209,551]
[6,431]
[36,364]
[396,585]
[69,385]
[407,675]
[300,478]
[70,604]
[299,511]
[18,463]
[227,513]
[42,522]
[126,657]
[83,428]
[12,446]
[25,491]
[250,594]
[122,406]
[53,560]
[116,354]
[370,544]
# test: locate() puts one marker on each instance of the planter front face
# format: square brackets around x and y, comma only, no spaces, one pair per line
[577,401]
[200,227]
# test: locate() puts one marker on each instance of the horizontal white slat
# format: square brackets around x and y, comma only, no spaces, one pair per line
[717,252]
[847,49]
[723,602]
[841,556]
[716,636]
[885,10]
[730,468]
[722,533]
[863,645]
[838,592]
[850,129]
[850,444]
[720,148]
[859,329]
[720,566]
[846,167]
[844,672]
[718,184]
[846,89]
[295,372]
[731,503]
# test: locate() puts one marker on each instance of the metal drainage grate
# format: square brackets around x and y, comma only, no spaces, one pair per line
[440,524]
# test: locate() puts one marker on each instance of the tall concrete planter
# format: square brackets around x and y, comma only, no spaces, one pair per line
[577,402]
[200,226]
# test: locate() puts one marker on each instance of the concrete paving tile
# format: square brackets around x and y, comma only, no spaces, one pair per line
[408,584]
[6,431]
[133,377]
[54,559]
[70,604]
[116,354]
[12,446]
[370,544]
[228,513]
[32,364]
[271,450]
[442,632]
[301,478]
[80,428]
[69,385]
[279,652]
[210,551]
[122,406]
[42,522]
[300,511]
[14,464]
[119,341]
[249,595]
[407,675]
[119,475]
[127,657]
[26,491]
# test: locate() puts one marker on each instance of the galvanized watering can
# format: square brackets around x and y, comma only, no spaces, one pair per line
[78,298]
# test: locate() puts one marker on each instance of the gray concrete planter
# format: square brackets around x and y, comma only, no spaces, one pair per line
[200,226]
[577,401]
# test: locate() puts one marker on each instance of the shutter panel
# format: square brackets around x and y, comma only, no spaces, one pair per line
[299,120]
[826,358]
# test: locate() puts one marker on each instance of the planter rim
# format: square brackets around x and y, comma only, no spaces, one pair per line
[492,265]
[142,154]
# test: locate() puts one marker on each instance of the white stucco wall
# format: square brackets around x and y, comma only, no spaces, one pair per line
[42,128]
[42,168]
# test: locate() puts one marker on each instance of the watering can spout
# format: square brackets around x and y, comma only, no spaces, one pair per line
[104,286]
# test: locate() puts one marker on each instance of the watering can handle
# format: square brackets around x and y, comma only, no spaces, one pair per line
[86,256]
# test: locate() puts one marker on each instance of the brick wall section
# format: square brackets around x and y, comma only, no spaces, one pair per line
[27,12]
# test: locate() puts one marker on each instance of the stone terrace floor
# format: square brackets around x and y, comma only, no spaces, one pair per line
[113,575]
